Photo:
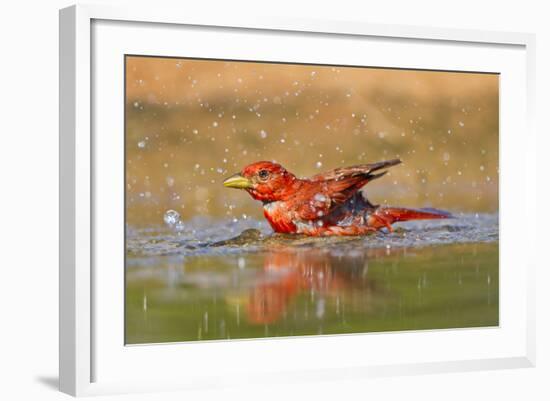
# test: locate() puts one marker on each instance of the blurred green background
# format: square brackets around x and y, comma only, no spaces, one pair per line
[191,123]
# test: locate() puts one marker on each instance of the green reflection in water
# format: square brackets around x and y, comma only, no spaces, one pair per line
[304,291]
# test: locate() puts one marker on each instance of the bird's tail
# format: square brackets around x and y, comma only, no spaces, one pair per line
[386,216]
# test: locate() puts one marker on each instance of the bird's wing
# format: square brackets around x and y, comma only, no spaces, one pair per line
[343,173]
[327,191]
[313,202]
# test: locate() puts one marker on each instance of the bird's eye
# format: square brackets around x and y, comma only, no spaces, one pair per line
[263,174]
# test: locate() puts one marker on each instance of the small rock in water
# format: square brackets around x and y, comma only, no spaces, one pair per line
[247,237]
[171,217]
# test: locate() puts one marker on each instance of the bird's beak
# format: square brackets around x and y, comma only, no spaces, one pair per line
[237,181]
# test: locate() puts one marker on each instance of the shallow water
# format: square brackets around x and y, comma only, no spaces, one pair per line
[212,280]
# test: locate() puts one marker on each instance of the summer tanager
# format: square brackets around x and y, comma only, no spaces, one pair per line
[326,204]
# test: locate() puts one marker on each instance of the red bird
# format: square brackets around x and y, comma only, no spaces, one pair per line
[325,204]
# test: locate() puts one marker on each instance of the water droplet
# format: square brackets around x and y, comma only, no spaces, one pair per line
[318,164]
[142,144]
[263,134]
[320,308]
[171,217]
[319,197]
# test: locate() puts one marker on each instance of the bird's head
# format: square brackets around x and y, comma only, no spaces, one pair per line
[264,181]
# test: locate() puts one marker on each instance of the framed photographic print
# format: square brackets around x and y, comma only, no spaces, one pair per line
[236,195]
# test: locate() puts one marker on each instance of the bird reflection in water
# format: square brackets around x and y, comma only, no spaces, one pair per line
[338,275]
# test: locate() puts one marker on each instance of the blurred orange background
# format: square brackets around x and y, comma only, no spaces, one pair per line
[191,123]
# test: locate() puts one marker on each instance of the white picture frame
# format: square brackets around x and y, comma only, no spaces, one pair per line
[79,344]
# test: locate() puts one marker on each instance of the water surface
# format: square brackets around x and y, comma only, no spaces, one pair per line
[212,280]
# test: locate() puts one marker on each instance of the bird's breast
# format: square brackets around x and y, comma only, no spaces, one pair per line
[279,217]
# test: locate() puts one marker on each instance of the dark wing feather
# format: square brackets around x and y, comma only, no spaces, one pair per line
[328,190]
[361,169]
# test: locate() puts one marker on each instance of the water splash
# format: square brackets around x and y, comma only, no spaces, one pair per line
[173,220]
[203,236]
[171,217]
